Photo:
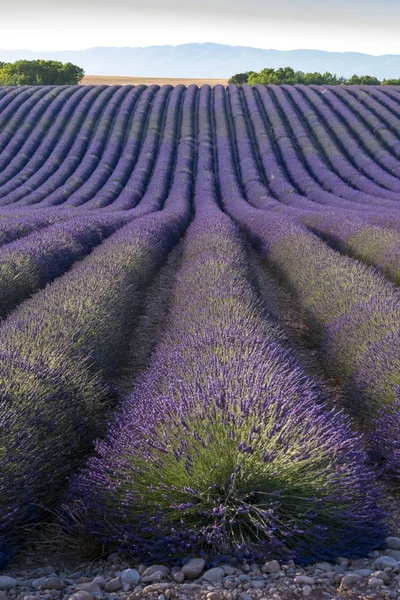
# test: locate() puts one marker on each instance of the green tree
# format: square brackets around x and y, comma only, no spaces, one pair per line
[363,80]
[391,82]
[40,72]
[286,75]
[261,77]
[241,78]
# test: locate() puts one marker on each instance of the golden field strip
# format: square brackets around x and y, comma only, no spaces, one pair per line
[117,80]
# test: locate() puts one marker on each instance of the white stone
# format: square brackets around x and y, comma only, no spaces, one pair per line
[381,575]
[363,572]
[178,577]
[271,567]
[113,585]
[155,577]
[37,583]
[350,579]
[213,575]
[100,581]
[90,587]
[375,582]
[194,568]
[231,582]
[385,561]
[304,579]
[307,590]
[53,583]
[155,569]
[339,570]
[129,578]
[393,543]
[215,596]
[6,583]
[394,554]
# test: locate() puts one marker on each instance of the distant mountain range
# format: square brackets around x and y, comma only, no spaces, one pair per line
[212,61]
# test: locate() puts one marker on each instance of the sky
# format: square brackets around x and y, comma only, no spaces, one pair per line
[369,26]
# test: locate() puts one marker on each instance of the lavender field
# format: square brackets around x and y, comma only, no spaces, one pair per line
[151,393]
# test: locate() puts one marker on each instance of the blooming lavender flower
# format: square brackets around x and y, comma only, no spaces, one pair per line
[225,447]
[59,352]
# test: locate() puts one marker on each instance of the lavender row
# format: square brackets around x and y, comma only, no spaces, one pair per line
[138,179]
[7,95]
[68,152]
[312,179]
[337,294]
[223,431]
[350,149]
[115,170]
[381,106]
[353,313]
[22,225]
[172,178]
[360,238]
[59,351]
[28,264]
[325,164]
[33,127]
[93,154]
[135,147]
[265,181]
[17,110]
[54,149]
[37,148]
[97,140]
[113,148]
[169,154]
[382,144]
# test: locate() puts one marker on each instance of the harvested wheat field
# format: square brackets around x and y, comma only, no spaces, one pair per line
[115,80]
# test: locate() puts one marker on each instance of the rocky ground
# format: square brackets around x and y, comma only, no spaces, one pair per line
[375,577]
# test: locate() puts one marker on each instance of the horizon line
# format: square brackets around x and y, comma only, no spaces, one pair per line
[200,44]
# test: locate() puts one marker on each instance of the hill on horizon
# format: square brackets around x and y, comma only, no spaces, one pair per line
[212,61]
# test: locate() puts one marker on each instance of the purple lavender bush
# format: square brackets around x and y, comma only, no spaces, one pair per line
[356,236]
[28,264]
[225,448]
[59,353]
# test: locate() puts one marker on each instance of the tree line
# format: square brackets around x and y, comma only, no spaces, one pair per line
[40,72]
[290,76]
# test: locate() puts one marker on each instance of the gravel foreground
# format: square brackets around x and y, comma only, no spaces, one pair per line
[375,577]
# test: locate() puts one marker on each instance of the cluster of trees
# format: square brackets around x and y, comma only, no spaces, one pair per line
[40,72]
[290,76]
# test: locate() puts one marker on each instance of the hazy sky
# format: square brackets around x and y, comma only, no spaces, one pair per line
[370,26]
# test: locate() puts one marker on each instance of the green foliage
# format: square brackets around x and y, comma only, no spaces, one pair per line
[40,72]
[240,78]
[391,82]
[363,80]
[289,76]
